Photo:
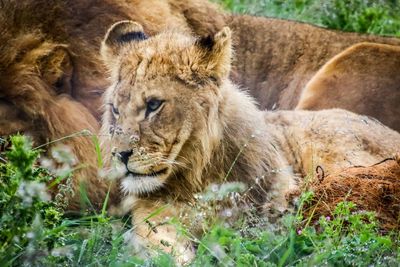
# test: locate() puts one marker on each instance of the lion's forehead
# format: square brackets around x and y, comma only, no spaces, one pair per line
[155,57]
[153,67]
[152,84]
[142,69]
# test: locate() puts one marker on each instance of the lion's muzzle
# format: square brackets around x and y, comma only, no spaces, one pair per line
[124,156]
[139,164]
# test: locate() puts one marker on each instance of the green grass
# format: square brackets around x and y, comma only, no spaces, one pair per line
[364,16]
[34,231]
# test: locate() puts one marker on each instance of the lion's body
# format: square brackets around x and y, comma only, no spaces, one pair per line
[178,124]
[274,58]
[364,78]
[333,139]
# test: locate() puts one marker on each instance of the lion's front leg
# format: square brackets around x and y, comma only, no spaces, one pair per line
[154,227]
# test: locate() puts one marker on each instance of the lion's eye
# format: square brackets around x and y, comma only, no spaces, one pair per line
[114,109]
[152,105]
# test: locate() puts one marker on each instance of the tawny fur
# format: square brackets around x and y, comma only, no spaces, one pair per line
[206,130]
[286,56]
[274,58]
[364,78]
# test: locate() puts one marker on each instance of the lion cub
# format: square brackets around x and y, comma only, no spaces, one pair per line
[178,124]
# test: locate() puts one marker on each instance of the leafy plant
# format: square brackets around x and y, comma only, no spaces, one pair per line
[364,16]
[346,239]
[28,220]
[34,231]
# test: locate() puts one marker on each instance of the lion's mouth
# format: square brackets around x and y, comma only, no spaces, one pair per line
[151,174]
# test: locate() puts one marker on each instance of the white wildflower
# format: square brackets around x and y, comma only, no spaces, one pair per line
[65,251]
[64,154]
[214,187]
[228,213]
[47,163]
[63,171]
[32,189]
[30,235]
[218,251]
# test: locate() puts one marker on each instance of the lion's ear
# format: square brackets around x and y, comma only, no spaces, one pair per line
[118,35]
[55,67]
[216,53]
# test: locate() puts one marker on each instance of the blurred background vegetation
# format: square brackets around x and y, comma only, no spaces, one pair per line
[364,16]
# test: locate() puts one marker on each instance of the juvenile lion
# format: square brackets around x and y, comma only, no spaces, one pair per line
[51,75]
[56,45]
[178,124]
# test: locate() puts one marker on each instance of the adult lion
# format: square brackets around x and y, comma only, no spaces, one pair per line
[178,124]
[364,78]
[276,58]
[30,70]
[274,62]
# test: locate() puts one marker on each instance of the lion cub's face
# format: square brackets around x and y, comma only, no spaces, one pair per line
[163,102]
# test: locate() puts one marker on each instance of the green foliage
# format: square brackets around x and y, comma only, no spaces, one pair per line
[28,220]
[347,239]
[35,231]
[364,16]
[379,17]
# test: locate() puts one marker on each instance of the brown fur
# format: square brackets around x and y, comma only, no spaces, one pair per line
[28,75]
[46,116]
[364,78]
[204,130]
[372,188]
[274,58]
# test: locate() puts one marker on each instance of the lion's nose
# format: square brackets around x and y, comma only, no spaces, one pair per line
[124,156]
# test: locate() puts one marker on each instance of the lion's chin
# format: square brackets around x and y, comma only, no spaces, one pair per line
[133,184]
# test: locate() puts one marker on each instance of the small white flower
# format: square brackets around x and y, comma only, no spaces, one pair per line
[30,235]
[47,163]
[218,251]
[64,154]
[214,188]
[65,251]
[228,213]
[63,171]
[29,190]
